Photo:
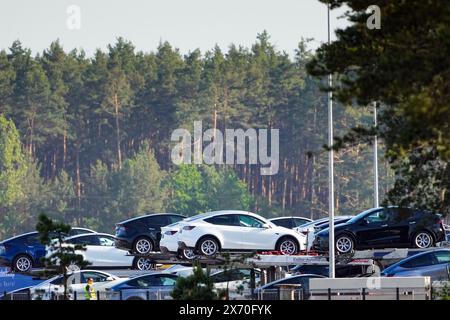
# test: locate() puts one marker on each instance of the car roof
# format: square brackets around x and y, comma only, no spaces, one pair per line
[84,229]
[89,234]
[151,214]
[416,256]
[221,212]
[290,217]
[294,276]
[19,236]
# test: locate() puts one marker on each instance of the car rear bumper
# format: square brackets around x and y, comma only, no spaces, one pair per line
[123,244]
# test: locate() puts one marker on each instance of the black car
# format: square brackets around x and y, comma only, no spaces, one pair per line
[141,235]
[384,228]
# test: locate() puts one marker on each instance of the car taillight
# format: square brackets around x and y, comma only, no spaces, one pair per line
[170,233]
[188,228]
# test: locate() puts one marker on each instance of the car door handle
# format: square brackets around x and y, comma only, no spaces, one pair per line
[412,222]
[384,225]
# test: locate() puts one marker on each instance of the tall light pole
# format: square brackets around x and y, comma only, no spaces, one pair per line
[330,167]
[375,160]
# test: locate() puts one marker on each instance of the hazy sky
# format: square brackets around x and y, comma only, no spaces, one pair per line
[186,24]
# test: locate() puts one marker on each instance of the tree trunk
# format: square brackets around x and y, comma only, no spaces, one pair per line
[119,152]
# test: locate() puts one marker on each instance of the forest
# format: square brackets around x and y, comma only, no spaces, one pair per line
[87,139]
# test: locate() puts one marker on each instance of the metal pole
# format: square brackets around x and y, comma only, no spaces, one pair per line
[330,166]
[375,160]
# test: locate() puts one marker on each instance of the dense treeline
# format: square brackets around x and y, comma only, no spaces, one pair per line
[97,130]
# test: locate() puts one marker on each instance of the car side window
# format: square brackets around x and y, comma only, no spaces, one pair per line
[421,261]
[442,257]
[224,220]
[249,221]
[167,281]
[157,221]
[97,277]
[287,223]
[106,241]
[175,219]
[378,216]
[32,239]
[145,282]
[86,240]
[299,222]
[398,215]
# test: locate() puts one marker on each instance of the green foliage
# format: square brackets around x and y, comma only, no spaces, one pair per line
[403,66]
[198,286]
[200,188]
[97,131]
[62,256]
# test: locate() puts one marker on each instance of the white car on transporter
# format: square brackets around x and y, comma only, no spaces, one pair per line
[100,251]
[228,230]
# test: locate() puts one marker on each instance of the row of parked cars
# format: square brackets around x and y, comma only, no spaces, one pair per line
[158,285]
[210,233]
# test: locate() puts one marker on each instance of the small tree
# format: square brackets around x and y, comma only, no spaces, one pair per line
[62,256]
[198,286]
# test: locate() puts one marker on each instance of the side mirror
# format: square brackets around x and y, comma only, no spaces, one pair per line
[265,226]
[109,279]
[364,222]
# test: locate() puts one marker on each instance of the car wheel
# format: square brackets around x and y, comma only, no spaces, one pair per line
[208,246]
[22,263]
[287,246]
[423,239]
[143,245]
[344,244]
[143,264]
[188,254]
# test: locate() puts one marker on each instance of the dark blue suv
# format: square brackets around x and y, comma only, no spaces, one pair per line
[23,252]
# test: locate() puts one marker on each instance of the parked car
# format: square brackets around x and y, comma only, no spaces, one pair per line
[141,235]
[76,283]
[290,222]
[100,251]
[311,228]
[155,286]
[25,251]
[341,271]
[383,228]
[434,264]
[22,252]
[270,291]
[213,232]
[237,280]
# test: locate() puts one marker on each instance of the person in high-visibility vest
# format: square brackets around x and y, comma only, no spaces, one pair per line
[89,292]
